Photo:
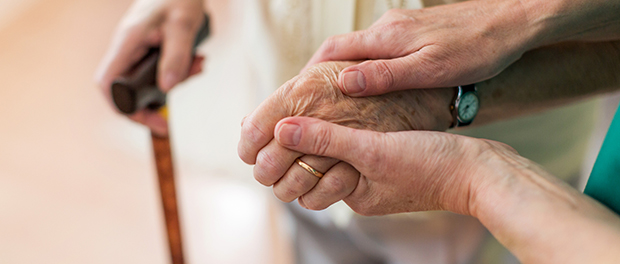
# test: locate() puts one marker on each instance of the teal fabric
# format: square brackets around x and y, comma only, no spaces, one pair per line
[604,182]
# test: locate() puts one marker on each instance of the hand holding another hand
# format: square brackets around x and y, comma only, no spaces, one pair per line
[528,210]
[398,171]
[443,46]
[315,93]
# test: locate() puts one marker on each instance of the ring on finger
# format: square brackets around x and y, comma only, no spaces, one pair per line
[309,168]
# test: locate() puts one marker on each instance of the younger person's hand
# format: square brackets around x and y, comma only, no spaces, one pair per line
[442,46]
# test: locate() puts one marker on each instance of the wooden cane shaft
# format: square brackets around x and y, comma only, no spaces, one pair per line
[165,174]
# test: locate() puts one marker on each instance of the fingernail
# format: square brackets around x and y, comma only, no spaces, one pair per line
[170,79]
[289,134]
[354,82]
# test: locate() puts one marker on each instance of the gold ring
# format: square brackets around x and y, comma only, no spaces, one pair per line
[309,168]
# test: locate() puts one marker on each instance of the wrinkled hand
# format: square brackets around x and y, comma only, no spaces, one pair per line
[443,46]
[524,207]
[171,24]
[315,94]
[398,171]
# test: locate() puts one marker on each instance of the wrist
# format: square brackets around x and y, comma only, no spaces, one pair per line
[529,211]
[422,109]
[494,174]
[516,22]
[473,176]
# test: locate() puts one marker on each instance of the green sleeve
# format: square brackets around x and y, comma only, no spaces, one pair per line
[604,182]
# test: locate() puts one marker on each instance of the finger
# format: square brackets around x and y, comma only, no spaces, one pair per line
[336,184]
[153,120]
[196,67]
[384,76]
[179,34]
[372,43]
[127,48]
[257,128]
[297,181]
[313,136]
[340,48]
[272,162]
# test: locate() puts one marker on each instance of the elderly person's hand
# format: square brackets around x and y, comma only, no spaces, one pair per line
[315,94]
[536,216]
[171,24]
[462,43]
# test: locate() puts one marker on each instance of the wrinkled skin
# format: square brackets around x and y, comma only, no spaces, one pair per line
[528,210]
[399,171]
[315,93]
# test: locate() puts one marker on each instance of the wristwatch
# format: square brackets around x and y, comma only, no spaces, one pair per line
[465,105]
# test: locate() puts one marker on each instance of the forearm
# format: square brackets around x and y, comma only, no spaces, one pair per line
[548,77]
[541,219]
[555,21]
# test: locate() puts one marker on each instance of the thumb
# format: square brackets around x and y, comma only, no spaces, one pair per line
[376,77]
[313,136]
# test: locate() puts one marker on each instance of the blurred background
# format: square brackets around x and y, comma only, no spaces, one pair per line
[77,181]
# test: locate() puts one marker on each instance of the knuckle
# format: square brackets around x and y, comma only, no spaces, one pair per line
[298,182]
[252,132]
[251,136]
[292,188]
[435,69]
[329,47]
[335,185]
[396,25]
[291,92]
[322,141]
[265,168]
[386,74]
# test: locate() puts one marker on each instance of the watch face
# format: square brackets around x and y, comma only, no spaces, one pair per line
[468,107]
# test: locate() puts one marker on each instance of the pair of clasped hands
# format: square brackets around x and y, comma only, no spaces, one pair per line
[366,112]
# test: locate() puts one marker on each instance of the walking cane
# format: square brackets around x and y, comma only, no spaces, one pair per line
[138,90]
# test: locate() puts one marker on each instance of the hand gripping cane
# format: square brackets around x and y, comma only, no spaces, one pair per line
[138,90]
